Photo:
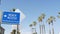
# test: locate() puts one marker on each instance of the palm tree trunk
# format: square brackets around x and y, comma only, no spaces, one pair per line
[43,29]
[40,28]
[31,30]
[52,29]
[49,30]
[35,30]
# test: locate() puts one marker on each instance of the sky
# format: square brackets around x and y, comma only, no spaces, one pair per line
[32,9]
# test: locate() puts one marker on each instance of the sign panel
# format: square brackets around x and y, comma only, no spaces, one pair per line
[10,18]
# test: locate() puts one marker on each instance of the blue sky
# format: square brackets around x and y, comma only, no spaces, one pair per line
[32,9]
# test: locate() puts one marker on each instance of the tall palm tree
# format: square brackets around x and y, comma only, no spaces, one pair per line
[34,24]
[53,19]
[31,27]
[40,18]
[50,20]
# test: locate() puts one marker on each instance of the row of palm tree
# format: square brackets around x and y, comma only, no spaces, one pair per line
[39,20]
[50,21]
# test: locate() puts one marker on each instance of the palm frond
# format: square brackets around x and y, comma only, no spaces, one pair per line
[34,23]
[49,21]
[43,15]
[30,25]
[40,19]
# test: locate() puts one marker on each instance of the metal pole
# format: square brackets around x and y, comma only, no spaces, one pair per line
[0,17]
[17,29]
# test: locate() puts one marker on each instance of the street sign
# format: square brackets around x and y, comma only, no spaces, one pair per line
[10,18]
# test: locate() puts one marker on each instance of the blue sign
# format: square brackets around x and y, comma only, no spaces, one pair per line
[10,18]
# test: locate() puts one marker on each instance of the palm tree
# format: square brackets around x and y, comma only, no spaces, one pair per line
[50,20]
[31,27]
[34,24]
[40,18]
[58,15]
[53,19]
